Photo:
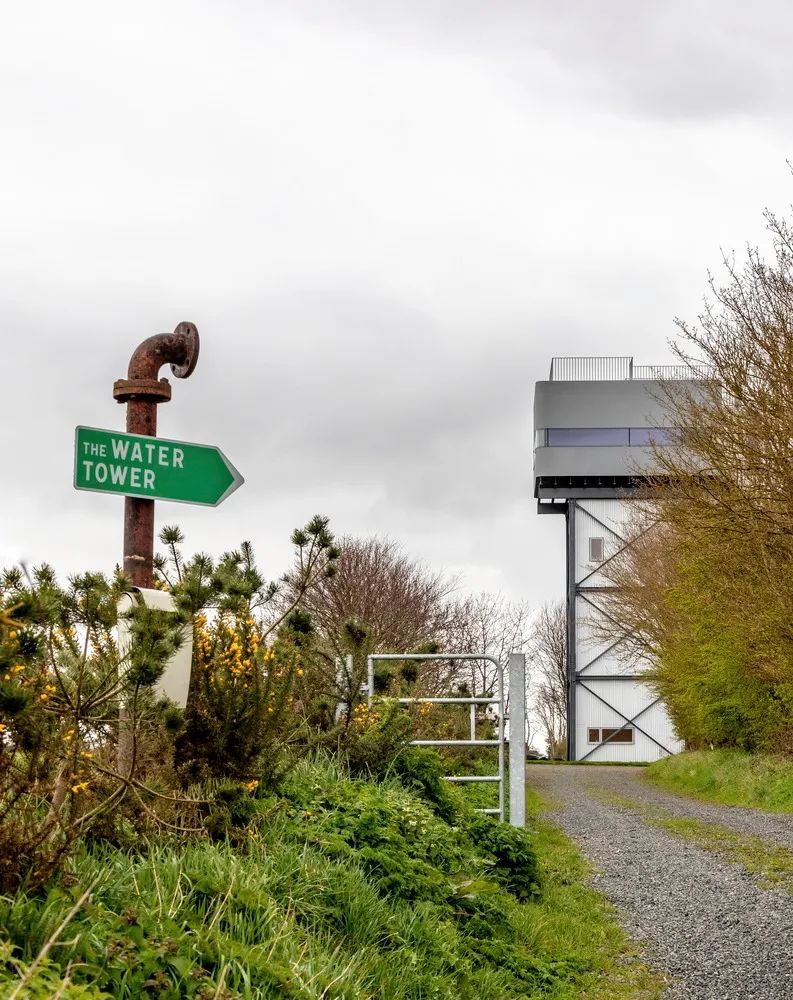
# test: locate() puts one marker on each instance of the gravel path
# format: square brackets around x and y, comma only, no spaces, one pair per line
[704,922]
[776,828]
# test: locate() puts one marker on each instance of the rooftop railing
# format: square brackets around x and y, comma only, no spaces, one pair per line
[618,369]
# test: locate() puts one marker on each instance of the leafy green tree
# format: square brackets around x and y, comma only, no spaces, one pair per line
[705,586]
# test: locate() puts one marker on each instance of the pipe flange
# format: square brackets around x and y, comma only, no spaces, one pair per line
[188,336]
[151,389]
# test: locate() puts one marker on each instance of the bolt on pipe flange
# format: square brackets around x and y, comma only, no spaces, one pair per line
[187,334]
[152,389]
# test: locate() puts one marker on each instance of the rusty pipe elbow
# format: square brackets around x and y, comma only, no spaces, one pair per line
[178,349]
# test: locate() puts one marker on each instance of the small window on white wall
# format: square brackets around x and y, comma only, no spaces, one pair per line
[596,550]
[624,735]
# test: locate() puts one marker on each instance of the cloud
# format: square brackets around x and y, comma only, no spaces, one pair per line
[384,219]
[694,59]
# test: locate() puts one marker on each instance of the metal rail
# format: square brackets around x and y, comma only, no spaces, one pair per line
[472,702]
[619,369]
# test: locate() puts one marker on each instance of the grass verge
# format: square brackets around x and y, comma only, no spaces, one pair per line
[582,922]
[728,777]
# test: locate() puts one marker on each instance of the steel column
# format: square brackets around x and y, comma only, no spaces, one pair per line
[138,512]
[571,629]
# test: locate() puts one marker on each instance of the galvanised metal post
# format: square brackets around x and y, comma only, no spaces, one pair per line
[517,739]
[143,391]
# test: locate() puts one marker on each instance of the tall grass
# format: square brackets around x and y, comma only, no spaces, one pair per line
[340,889]
[728,777]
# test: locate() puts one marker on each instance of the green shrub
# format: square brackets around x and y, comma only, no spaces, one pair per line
[40,981]
[337,888]
[514,862]
[421,770]
[375,738]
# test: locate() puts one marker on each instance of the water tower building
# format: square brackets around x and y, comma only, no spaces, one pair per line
[595,422]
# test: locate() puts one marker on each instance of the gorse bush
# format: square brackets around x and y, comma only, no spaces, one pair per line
[88,748]
[62,680]
[248,698]
[242,700]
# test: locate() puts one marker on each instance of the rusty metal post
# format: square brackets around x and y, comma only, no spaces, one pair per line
[143,391]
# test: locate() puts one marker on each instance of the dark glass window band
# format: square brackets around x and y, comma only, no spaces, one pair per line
[608,437]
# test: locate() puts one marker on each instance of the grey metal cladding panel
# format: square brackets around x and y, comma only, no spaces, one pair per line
[565,462]
[600,404]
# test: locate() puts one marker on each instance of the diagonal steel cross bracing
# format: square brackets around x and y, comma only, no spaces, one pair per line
[579,595]
[602,611]
[627,722]
[601,654]
[602,524]
[625,545]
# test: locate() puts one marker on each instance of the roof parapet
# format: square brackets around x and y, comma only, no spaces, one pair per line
[619,369]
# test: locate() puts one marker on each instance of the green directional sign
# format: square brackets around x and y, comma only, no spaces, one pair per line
[134,465]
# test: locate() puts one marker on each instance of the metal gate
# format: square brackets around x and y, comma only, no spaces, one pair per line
[473,702]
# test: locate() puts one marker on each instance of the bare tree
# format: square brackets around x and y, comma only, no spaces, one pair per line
[486,623]
[489,624]
[379,599]
[548,656]
[401,604]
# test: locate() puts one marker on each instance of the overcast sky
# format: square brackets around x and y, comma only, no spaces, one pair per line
[384,218]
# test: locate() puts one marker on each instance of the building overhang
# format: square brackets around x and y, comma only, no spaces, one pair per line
[600,439]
